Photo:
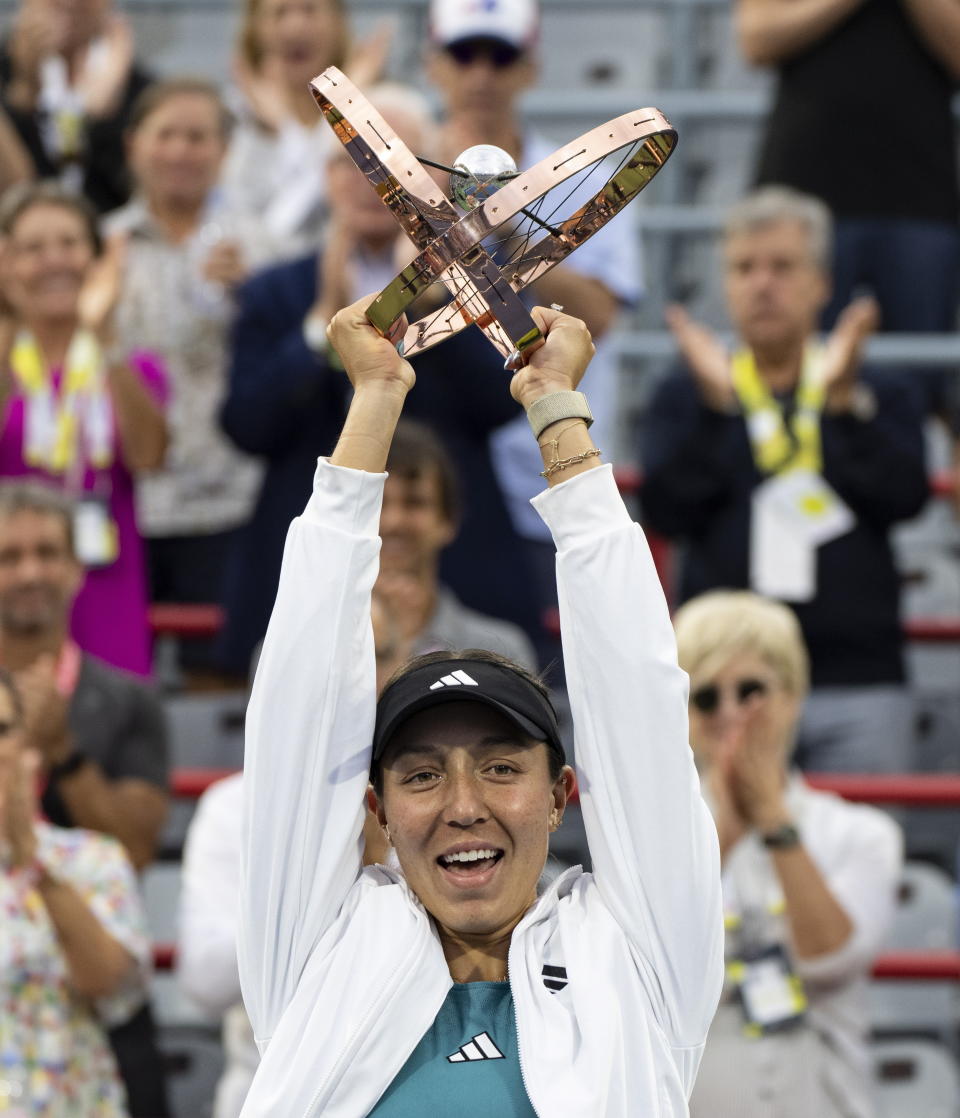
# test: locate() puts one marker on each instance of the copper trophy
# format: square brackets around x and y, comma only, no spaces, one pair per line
[501,230]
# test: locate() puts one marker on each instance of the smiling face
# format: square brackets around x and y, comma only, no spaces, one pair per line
[414,527]
[468,799]
[39,576]
[48,255]
[775,287]
[299,38]
[73,23]
[176,150]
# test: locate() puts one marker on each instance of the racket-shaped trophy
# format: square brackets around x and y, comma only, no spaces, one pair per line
[500,230]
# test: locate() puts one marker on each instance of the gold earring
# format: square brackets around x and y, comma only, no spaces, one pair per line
[555,820]
[386,831]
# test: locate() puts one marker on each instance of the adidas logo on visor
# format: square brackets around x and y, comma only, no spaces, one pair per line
[455,679]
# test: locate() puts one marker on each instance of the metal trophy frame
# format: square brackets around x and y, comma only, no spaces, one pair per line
[451,243]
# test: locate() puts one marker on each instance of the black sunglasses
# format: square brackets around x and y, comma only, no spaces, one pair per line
[499,54]
[707,698]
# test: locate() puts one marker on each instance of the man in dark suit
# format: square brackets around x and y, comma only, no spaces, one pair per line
[783,467]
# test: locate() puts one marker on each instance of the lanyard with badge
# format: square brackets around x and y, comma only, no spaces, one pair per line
[65,430]
[794,509]
[63,116]
[759,968]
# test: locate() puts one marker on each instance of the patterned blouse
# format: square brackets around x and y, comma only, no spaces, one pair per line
[55,1061]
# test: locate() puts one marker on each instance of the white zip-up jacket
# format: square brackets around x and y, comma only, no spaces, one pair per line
[341,968]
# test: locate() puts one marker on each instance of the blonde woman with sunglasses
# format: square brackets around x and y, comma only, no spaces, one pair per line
[809,881]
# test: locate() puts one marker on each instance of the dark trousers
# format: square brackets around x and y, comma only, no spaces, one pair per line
[189,568]
[140,1062]
[912,268]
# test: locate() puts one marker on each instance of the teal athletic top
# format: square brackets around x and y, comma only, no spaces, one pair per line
[467,1065]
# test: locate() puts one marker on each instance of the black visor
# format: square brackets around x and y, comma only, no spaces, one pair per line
[447,681]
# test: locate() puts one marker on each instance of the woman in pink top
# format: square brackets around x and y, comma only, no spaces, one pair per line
[76,412]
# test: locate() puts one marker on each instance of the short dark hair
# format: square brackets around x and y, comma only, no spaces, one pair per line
[480,655]
[34,496]
[20,198]
[155,96]
[416,451]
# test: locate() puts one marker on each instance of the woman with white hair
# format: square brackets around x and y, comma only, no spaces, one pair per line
[809,881]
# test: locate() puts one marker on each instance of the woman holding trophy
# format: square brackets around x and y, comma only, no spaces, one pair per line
[448,981]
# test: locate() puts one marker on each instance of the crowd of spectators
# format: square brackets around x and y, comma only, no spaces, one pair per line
[170,256]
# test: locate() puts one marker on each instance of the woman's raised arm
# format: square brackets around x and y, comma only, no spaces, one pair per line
[311,714]
[652,841]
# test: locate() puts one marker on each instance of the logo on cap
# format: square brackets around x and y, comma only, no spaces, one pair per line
[455,679]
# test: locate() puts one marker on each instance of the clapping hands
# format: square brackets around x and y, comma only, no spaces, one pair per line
[748,772]
[707,358]
[844,348]
[102,287]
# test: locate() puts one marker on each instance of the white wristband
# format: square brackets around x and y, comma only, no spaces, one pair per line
[556,406]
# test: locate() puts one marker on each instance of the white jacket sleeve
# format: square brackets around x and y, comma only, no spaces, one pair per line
[652,840]
[309,729]
[210,894]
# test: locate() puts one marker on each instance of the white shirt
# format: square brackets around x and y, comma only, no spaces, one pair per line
[280,178]
[821,1067]
[612,256]
[205,484]
[207,953]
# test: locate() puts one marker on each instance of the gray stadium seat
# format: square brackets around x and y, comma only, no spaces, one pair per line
[925,921]
[915,1079]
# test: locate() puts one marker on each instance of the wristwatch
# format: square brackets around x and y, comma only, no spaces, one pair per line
[781,838]
[863,402]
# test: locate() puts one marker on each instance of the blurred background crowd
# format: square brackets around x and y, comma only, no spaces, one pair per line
[777,382]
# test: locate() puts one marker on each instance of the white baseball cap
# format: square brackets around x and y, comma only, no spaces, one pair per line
[514,22]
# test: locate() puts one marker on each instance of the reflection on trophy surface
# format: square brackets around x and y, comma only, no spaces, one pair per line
[500,229]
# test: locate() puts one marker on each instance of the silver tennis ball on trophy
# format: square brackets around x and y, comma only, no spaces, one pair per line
[479,172]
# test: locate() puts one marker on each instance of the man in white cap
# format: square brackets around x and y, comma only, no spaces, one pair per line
[481,60]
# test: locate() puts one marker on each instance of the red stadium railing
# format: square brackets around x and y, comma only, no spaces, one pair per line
[906,790]
[924,966]
[185,619]
[903,789]
[630,481]
[906,966]
[203,621]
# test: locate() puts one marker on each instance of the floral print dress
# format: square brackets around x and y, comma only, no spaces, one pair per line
[55,1060]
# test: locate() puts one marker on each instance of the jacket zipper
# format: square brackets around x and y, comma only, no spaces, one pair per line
[516,1025]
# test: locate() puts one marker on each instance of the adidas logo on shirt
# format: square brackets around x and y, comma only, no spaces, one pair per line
[480,1048]
[455,679]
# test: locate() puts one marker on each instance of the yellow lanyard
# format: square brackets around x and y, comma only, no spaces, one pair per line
[54,423]
[777,448]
